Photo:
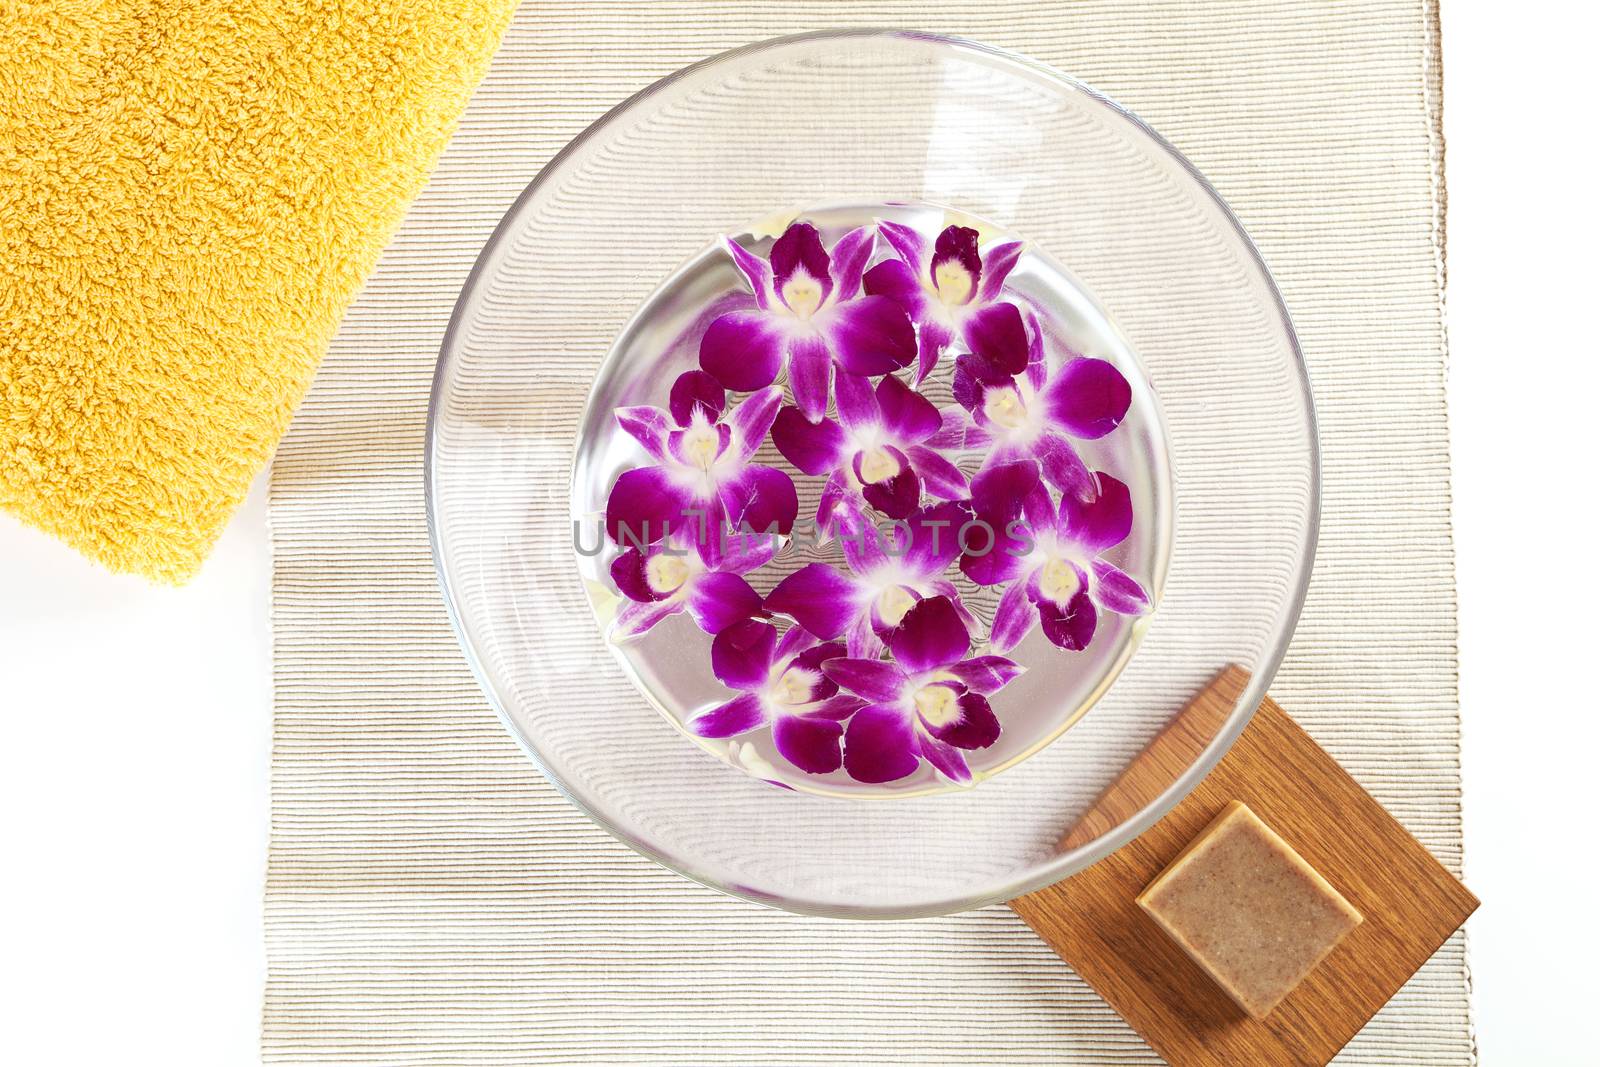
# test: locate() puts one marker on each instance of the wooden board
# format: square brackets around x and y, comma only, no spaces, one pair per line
[1411,904]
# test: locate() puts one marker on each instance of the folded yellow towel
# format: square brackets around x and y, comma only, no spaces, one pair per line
[191,192]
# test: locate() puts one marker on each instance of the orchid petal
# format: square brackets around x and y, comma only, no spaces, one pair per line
[811,744]
[837,708]
[934,541]
[986,674]
[718,600]
[880,744]
[1038,511]
[956,246]
[850,255]
[997,336]
[743,350]
[1087,398]
[738,716]
[695,389]
[958,432]
[628,572]
[1062,466]
[800,251]
[1100,520]
[1001,559]
[815,448]
[896,497]
[932,338]
[1115,590]
[870,335]
[909,416]
[908,243]
[946,759]
[862,640]
[1072,627]
[976,727]
[647,425]
[874,679]
[741,655]
[795,640]
[939,476]
[997,264]
[1038,365]
[810,367]
[857,403]
[738,551]
[897,281]
[930,636]
[946,588]
[1013,618]
[752,418]
[834,501]
[818,597]
[635,618]
[811,661]
[646,504]
[759,498]
[998,491]
[756,270]
[862,543]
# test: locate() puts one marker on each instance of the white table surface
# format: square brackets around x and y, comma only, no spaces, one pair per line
[137,719]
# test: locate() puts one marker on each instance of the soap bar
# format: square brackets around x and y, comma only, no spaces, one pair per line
[1248,909]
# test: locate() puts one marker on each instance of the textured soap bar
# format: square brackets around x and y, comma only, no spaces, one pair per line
[1248,909]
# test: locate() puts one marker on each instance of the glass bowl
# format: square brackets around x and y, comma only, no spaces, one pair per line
[530,360]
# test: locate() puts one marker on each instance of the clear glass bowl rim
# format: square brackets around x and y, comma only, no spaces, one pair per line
[1064,864]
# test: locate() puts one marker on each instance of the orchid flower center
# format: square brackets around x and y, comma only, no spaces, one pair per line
[893,603]
[953,282]
[803,294]
[701,445]
[938,705]
[1005,408]
[666,574]
[878,464]
[794,687]
[1059,580]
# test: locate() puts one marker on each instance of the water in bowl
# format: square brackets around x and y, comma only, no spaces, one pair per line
[670,663]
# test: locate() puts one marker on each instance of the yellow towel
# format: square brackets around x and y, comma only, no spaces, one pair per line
[191,192]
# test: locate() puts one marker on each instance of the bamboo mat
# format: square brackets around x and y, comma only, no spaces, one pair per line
[432,900]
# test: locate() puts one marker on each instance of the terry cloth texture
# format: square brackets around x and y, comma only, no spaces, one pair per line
[432,900]
[191,192]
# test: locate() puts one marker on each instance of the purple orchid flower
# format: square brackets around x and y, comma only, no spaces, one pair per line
[703,576]
[703,477]
[807,313]
[875,450]
[1051,557]
[780,684]
[1011,408]
[889,573]
[948,288]
[928,703]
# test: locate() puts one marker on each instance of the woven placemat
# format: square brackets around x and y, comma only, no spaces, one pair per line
[432,900]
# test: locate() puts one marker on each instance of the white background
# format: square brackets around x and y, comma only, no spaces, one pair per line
[137,720]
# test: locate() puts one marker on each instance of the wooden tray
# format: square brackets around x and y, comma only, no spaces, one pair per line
[1411,904]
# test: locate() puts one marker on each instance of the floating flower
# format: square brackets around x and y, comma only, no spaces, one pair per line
[948,289]
[780,684]
[875,450]
[700,575]
[1012,408]
[1049,556]
[928,703]
[703,478]
[889,573]
[809,313]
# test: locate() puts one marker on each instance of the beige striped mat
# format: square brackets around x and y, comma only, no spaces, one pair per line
[431,900]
